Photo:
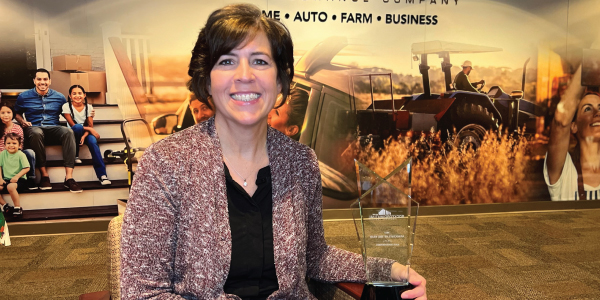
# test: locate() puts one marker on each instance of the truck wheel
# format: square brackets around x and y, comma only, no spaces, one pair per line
[470,136]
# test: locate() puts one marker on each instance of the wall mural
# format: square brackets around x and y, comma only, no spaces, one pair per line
[497,101]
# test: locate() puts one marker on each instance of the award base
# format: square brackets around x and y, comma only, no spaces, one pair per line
[377,292]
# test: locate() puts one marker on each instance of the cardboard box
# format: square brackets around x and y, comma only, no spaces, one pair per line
[97,81]
[96,98]
[72,63]
[93,82]
[62,81]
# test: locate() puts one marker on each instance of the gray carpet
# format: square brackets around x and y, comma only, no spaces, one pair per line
[56,267]
[547,255]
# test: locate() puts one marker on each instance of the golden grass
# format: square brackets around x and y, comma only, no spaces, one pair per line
[494,173]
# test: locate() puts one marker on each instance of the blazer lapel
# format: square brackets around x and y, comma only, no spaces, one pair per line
[286,237]
[222,228]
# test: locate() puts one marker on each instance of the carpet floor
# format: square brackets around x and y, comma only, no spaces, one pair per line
[54,266]
[533,255]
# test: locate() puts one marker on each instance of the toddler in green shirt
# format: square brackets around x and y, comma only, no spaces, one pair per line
[13,166]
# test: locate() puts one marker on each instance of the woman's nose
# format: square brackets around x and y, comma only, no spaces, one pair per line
[243,71]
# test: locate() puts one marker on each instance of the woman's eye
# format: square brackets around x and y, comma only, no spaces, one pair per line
[587,109]
[260,62]
[226,62]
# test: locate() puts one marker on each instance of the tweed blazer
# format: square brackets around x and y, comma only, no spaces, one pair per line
[176,241]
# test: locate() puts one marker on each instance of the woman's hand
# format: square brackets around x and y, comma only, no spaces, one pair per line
[419,292]
[82,140]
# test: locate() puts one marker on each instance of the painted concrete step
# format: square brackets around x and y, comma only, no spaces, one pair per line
[55,152]
[84,162]
[106,129]
[115,170]
[94,194]
[73,220]
[98,122]
[105,105]
[87,173]
[108,112]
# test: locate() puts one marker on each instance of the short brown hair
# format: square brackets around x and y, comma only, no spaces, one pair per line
[204,101]
[12,136]
[41,70]
[227,28]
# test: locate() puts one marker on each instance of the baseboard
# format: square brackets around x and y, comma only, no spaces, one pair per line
[465,209]
[63,213]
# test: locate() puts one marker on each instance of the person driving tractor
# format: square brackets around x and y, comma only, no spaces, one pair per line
[462,82]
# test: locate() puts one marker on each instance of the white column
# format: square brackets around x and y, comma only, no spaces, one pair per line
[114,76]
[42,39]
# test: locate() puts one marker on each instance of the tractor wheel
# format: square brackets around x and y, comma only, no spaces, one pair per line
[470,136]
[464,114]
[477,114]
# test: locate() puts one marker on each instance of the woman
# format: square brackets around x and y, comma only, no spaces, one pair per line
[575,174]
[242,218]
[289,115]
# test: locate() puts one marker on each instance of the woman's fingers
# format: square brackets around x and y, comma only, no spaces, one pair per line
[419,292]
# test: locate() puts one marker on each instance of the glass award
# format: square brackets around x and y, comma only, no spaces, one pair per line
[385,218]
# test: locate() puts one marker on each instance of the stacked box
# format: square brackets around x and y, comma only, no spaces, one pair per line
[72,63]
[69,70]
[62,81]
[94,83]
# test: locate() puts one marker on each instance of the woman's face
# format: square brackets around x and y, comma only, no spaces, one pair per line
[6,115]
[77,96]
[278,118]
[200,111]
[587,124]
[243,83]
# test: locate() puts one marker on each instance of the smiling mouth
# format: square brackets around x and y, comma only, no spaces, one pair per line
[245,97]
[595,124]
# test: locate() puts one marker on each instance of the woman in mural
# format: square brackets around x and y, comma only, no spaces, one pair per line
[232,207]
[575,174]
[289,115]
[288,118]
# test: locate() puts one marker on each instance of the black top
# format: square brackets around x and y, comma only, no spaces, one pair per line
[252,272]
